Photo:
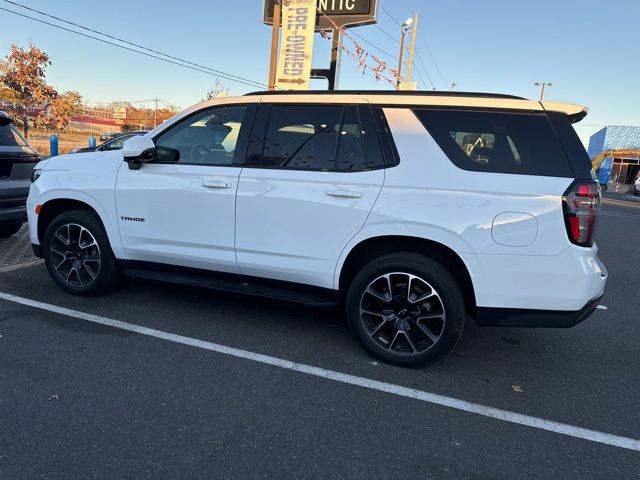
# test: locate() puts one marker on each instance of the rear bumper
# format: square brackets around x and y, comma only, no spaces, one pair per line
[13,200]
[563,282]
[12,215]
[519,317]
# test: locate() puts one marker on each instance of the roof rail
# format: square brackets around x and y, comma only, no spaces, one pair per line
[426,93]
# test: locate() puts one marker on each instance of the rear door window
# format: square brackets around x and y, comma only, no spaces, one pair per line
[498,142]
[331,138]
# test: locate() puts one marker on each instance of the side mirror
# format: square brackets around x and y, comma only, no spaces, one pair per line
[137,150]
[167,154]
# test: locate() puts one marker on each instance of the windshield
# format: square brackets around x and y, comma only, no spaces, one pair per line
[11,137]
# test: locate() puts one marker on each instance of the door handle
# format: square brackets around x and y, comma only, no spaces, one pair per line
[216,184]
[344,193]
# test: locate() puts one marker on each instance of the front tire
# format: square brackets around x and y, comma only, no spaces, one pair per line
[78,255]
[406,309]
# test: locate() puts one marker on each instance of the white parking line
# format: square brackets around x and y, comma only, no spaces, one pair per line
[454,403]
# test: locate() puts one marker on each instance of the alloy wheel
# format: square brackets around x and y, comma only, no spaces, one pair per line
[402,313]
[75,255]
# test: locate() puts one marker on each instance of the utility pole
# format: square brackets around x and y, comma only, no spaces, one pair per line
[412,48]
[275,35]
[155,114]
[542,84]
[404,28]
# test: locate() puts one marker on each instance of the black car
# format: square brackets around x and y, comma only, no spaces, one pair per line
[113,144]
[106,136]
[17,160]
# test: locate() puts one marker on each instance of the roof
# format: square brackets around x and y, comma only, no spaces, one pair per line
[425,98]
[614,137]
[397,98]
[412,93]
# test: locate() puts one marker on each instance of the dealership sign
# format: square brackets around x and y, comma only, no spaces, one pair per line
[296,47]
[339,12]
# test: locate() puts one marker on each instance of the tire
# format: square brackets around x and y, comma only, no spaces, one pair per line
[79,238]
[392,327]
[10,229]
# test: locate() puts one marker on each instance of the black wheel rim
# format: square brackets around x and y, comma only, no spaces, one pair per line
[402,313]
[75,255]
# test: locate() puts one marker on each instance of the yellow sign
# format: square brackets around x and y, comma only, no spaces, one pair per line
[296,47]
[410,86]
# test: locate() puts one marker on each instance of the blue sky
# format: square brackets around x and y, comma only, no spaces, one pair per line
[588,49]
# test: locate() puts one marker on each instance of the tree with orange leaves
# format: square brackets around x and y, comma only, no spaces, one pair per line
[23,74]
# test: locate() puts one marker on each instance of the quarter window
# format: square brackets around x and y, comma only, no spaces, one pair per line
[518,143]
[207,138]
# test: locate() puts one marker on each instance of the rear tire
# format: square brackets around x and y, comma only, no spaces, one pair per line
[78,255]
[11,229]
[406,309]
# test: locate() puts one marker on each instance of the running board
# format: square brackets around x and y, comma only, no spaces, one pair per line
[238,285]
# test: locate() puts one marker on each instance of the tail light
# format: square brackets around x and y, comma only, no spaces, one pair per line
[581,202]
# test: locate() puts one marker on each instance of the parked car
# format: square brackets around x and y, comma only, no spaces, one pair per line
[636,186]
[106,136]
[414,211]
[17,159]
[113,144]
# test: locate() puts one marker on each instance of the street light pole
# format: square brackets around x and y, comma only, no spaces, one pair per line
[404,28]
[542,84]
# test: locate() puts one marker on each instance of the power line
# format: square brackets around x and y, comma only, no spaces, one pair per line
[388,34]
[407,5]
[423,38]
[391,16]
[395,57]
[125,41]
[426,72]
[435,63]
[184,63]
[421,79]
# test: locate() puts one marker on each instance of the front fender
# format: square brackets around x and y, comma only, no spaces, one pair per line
[102,202]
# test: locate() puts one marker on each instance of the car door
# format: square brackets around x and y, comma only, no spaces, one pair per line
[312,175]
[183,213]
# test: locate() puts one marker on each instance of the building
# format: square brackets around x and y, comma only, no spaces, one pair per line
[97,120]
[621,170]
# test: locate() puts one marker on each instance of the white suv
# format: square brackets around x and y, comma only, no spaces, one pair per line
[414,211]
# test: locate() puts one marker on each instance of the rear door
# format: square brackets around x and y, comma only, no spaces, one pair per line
[312,175]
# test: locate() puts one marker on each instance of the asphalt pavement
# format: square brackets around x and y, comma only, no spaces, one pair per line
[165,396]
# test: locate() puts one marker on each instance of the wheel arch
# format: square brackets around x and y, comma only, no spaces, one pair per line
[52,208]
[374,247]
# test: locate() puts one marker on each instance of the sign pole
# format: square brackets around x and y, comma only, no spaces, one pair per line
[274,45]
[334,66]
